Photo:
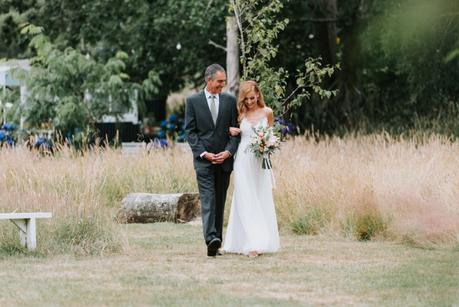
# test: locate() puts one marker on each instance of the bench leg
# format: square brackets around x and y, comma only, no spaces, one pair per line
[31,234]
[22,225]
[27,232]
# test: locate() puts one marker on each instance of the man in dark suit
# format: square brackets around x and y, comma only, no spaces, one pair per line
[208,116]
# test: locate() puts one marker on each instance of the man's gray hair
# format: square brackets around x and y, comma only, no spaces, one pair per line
[211,70]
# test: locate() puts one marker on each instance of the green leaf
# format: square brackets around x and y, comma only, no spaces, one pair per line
[121,55]
[451,56]
[300,82]
[124,76]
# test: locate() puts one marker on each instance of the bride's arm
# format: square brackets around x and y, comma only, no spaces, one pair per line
[269,114]
[234,131]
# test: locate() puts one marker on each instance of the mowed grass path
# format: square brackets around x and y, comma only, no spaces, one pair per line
[166,265]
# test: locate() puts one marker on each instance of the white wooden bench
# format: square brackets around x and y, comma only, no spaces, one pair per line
[27,224]
[129,148]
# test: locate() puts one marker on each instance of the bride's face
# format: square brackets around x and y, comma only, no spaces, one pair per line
[251,100]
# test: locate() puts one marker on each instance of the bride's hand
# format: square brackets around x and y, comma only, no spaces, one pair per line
[234,131]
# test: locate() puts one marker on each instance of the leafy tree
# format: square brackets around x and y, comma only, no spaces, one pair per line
[398,61]
[259,28]
[12,15]
[399,58]
[167,41]
[407,48]
[72,90]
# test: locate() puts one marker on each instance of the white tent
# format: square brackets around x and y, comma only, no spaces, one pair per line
[7,79]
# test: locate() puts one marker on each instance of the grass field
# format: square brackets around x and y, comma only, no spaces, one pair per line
[356,187]
[367,220]
[166,266]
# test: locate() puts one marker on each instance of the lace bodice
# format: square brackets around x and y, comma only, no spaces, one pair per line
[246,128]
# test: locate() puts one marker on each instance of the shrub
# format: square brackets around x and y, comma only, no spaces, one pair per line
[86,236]
[9,241]
[310,223]
[365,225]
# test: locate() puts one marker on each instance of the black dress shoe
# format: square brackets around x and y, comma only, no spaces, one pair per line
[213,246]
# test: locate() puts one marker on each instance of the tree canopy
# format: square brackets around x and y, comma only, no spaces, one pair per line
[399,58]
[167,41]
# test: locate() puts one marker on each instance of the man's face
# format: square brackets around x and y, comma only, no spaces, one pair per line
[216,84]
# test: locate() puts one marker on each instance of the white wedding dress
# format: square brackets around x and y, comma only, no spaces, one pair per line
[252,224]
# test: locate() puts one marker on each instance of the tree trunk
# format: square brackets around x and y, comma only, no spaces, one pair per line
[317,115]
[150,208]
[344,109]
[349,94]
[325,13]
[232,55]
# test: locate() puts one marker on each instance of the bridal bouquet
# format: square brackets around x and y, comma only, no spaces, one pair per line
[263,142]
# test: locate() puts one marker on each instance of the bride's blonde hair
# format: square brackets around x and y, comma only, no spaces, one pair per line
[245,88]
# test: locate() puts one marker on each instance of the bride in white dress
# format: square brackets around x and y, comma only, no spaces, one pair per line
[252,226]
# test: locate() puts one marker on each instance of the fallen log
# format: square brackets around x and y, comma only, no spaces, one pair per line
[150,208]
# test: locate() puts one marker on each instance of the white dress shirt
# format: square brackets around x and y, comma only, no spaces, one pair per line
[217,106]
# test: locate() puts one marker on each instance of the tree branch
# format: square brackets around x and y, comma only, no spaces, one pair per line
[284,103]
[209,4]
[241,32]
[211,42]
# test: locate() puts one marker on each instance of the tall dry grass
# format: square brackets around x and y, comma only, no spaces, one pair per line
[84,192]
[360,187]
[371,186]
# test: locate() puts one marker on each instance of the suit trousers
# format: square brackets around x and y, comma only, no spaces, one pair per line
[213,183]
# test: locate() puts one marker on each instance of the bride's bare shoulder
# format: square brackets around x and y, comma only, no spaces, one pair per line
[268,111]
[269,115]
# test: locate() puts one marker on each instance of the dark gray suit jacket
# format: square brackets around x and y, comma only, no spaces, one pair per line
[203,135]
